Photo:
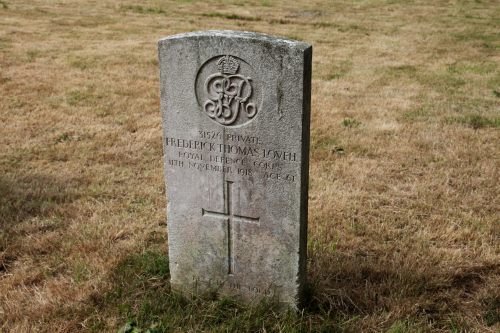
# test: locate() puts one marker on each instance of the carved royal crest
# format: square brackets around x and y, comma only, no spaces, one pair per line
[228,93]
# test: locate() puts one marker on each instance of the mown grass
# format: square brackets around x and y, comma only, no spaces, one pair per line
[403,208]
[144,10]
[231,16]
[475,121]
[142,296]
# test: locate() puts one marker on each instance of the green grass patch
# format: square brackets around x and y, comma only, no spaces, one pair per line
[492,313]
[83,98]
[457,324]
[397,2]
[15,102]
[280,21]
[471,67]
[350,123]
[145,303]
[5,43]
[330,144]
[5,79]
[404,327]
[295,37]
[324,24]
[420,113]
[78,98]
[401,70]
[138,268]
[354,27]
[144,10]
[387,75]
[231,16]
[475,121]
[241,3]
[64,137]
[326,142]
[446,79]
[4,5]
[31,55]
[445,82]
[82,63]
[488,41]
[339,70]
[80,272]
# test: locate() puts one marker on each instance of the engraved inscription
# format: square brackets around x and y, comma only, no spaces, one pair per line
[229,96]
[228,217]
[237,155]
[267,291]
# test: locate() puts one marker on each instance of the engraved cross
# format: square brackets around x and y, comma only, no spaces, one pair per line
[229,217]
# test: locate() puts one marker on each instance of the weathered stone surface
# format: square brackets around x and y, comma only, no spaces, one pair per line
[235,111]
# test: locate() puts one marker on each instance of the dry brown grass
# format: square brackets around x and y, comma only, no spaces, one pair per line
[404,194]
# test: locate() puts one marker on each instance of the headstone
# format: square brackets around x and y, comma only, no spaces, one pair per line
[236,109]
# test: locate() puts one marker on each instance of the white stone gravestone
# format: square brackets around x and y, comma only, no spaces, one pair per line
[236,109]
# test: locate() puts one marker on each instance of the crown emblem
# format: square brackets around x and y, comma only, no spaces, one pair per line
[228,65]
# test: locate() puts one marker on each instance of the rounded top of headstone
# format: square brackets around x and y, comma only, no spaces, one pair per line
[255,36]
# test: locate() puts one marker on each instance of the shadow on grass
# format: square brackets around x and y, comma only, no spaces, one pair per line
[419,297]
[339,297]
[24,197]
[141,297]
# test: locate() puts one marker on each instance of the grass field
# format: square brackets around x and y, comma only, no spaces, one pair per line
[404,220]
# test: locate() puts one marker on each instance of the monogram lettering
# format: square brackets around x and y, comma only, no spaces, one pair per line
[227,96]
